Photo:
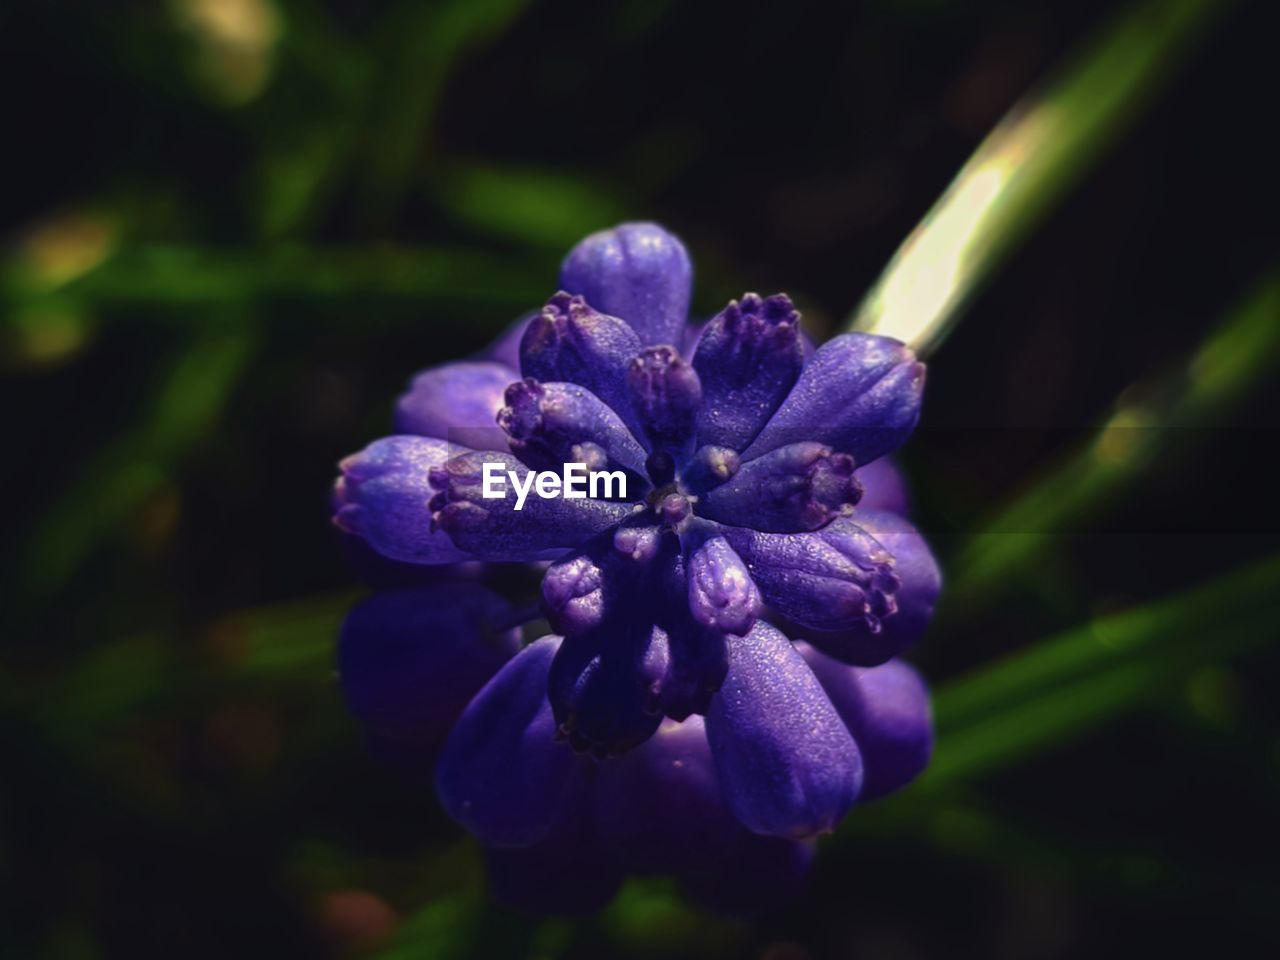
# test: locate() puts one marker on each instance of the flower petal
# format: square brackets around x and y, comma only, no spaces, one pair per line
[458,402]
[410,661]
[787,764]
[749,357]
[382,496]
[570,342]
[638,272]
[661,808]
[493,529]
[886,708]
[919,583]
[502,774]
[801,486]
[828,579]
[551,424]
[859,394]
[883,487]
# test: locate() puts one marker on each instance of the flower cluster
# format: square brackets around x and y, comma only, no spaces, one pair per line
[721,683]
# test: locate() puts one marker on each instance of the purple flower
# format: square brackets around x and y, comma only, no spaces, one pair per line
[757,512]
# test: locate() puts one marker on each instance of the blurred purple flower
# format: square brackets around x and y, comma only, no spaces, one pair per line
[707,745]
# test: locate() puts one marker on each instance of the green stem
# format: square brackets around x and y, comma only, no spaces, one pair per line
[1069,683]
[1041,148]
[1139,433]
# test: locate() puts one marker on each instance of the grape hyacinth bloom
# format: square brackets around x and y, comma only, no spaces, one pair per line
[722,682]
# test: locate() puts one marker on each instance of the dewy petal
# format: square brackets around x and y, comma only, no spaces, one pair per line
[492,529]
[502,774]
[458,402]
[859,394]
[919,583]
[749,357]
[886,708]
[883,487]
[661,808]
[638,272]
[551,424]
[409,661]
[382,496]
[798,487]
[665,395]
[722,594]
[786,762]
[570,342]
[828,579]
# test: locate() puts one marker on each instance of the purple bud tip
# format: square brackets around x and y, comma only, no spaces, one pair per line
[563,307]
[662,378]
[637,543]
[674,509]
[573,595]
[722,594]
[457,482]
[521,418]
[346,515]
[832,487]
[563,320]
[795,488]
[710,467]
[879,582]
[763,321]
[666,393]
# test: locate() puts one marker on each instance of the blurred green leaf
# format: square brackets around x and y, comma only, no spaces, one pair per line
[139,462]
[1139,433]
[423,44]
[442,930]
[286,640]
[159,275]
[1036,154]
[537,207]
[1066,684]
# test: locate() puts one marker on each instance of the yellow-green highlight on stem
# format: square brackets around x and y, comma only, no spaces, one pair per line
[1025,165]
[1238,354]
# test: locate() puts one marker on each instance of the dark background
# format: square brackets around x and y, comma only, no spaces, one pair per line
[227,252]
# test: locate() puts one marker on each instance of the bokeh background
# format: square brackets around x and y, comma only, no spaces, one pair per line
[234,228]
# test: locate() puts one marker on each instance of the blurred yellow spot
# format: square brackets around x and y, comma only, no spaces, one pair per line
[935,268]
[64,247]
[1121,438]
[44,334]
[235,44]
